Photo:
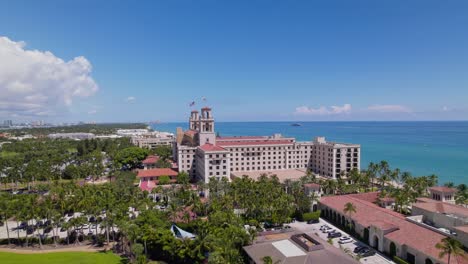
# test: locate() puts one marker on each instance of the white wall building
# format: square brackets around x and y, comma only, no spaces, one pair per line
[203,155]
[153,139]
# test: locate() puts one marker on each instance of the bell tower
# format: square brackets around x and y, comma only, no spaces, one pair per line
[206,127]
[194,121]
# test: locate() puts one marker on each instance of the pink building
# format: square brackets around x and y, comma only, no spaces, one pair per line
[199,152]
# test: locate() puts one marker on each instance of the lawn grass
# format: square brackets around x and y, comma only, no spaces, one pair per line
[61,257]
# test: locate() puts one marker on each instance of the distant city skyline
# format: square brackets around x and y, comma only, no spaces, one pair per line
[252,61]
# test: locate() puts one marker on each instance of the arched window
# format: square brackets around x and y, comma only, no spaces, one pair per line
[429,261]
[392,250]
[366,235]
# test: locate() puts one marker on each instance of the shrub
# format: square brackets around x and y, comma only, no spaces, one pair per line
[311,216]
[399,260]
[252,222]
[164,180]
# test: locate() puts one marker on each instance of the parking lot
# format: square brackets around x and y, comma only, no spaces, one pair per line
[349,247]
[87,229]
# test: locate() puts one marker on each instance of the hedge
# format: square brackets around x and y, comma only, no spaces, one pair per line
[311,216]
[399,260]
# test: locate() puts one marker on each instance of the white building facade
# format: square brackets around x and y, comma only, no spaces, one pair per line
[203,155]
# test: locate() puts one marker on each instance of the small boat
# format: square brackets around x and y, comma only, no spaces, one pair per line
[296,124]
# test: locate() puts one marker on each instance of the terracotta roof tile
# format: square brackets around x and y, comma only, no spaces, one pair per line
[211,147]
[443,189]
[443,208]
[369,196]
[157,172]
[152,159]
[408,233]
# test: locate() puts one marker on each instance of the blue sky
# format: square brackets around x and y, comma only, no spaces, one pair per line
[252,60]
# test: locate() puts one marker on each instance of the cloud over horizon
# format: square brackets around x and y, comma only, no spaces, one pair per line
[389,109]
[130,99]
[322,110]
[37,83]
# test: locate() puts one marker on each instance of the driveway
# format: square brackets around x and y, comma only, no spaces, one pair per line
[315,228]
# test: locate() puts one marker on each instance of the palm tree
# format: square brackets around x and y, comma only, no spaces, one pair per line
[329,186]
[349,209]
[450,247]
[372,172]
[6,212]
[405,176]
[449,184]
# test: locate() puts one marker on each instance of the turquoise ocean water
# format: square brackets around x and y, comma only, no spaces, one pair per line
[421,148]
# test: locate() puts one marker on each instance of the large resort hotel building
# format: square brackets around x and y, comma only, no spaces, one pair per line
[203,155]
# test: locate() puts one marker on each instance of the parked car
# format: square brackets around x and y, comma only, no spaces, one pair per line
[323,227]
[23,225]
[344,240]
[329,230]
[367,252]
[30,230]
[334,234]
[47,230]
[359,249]
[313,221]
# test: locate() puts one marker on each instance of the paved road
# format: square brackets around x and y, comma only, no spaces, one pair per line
[315,228]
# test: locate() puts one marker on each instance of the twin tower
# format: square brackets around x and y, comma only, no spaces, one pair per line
[204,125]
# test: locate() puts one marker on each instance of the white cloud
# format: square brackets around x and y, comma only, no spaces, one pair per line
[445,108]
[130,99]
[37,83]
[332,110]
[92,112]
[389,109]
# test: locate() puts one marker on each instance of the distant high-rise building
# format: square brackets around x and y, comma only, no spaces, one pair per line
[8,123]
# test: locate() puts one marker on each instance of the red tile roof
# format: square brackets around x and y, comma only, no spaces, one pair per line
[210,147]
[150,185]
[157,172]
[152,159]
[443,208]
[312,185]
[369,196]
[254,142]
[206,108]
[425,200]
[384,225]
[409,234]
[443,189]
[463,228]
